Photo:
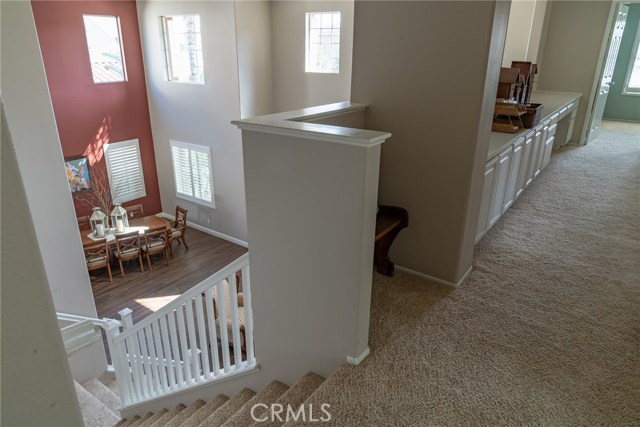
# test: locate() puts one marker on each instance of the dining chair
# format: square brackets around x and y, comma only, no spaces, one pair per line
[156,241]
[179,228]
[97,256]
[134,211]
[128,248]
[84,223]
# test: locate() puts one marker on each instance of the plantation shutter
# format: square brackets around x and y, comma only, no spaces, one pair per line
[192,171]
[124,167]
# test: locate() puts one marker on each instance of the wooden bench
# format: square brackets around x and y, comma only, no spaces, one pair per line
[389,221]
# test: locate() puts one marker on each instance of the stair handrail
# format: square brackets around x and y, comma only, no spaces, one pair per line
[176,347]
[103,323]
[197,289]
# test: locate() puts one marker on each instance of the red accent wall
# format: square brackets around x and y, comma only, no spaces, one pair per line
[88,114]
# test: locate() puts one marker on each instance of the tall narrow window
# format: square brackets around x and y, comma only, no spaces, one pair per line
[323,43]
[632,79]
[192,172]
[124,167]
[105,48]
[183,48]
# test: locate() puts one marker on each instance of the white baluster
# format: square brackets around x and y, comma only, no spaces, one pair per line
[222,322]
[183,346]
[156,360]
[169,362]
[248,313]
[144,353]
[175,342]
[213,335]
[202,334]
[235,323]
[193,344]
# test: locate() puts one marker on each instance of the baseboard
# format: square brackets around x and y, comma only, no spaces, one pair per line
[208,231]
[435,279]
[357,360]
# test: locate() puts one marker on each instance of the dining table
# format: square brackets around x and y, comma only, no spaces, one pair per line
[139,224]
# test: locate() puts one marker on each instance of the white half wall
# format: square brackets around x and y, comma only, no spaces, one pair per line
[198,114]
[293,88]
[35,135]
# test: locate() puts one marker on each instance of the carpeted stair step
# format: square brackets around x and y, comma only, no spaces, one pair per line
[206,410]
[94,413]
[127,421]
[141,420]
[267,396]
[113,386]
[154,418]
[184,415]
[103,394]
[228,409]
[168,415]
[295,396]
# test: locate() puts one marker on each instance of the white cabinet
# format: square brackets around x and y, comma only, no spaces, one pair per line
[535,147]
[523,178]
[540,149]
[548,148]
[500,186]
[487,189]
[514,170]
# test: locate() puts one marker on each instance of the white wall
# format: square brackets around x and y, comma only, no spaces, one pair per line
[253,31]
[573,49]
[199,114]
[30,115]
[293,88]
[415,77]
[518,32]
[36,383]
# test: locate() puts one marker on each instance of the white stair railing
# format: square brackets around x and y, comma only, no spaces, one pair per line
[187,342]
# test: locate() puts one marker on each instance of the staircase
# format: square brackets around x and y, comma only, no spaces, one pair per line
[99,405]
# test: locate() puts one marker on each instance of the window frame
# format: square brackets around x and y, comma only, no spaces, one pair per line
[307,49]
[193,148]
[626,90]
[166,42]
[108,162]
[125,78]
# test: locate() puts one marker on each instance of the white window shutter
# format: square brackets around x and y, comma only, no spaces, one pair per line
[192,170]
[124,167]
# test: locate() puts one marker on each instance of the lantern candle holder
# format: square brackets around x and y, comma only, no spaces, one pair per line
[119,219]
[99,223]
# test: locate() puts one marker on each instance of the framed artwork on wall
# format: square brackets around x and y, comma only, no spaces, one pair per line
[78,174]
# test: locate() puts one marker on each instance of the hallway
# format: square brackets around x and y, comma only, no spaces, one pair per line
[546,329]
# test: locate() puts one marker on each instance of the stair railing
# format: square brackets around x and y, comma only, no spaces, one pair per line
[187,342]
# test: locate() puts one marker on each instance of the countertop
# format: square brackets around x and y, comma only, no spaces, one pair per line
[552,103]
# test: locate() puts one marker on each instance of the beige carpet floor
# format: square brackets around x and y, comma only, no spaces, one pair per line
[546,329]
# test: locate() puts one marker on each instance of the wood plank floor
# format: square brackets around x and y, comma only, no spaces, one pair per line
[144,292]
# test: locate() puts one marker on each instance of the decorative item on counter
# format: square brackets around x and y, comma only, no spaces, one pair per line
[506,117]
[99,223]
[509,83]
[532,116]
[527,70]
[119,218]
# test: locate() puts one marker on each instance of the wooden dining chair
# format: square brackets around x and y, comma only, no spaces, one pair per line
[156,241]
[128,248]
[134,211]
[97,256]
[84,223]
[179,228]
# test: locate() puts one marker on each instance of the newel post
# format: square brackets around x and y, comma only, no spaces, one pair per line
[126,317]
[119,360]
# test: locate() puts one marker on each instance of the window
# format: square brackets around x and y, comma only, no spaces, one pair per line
[632,80]
[125,170]
[323,43]
[105,48]
[183,48]
[192,172]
